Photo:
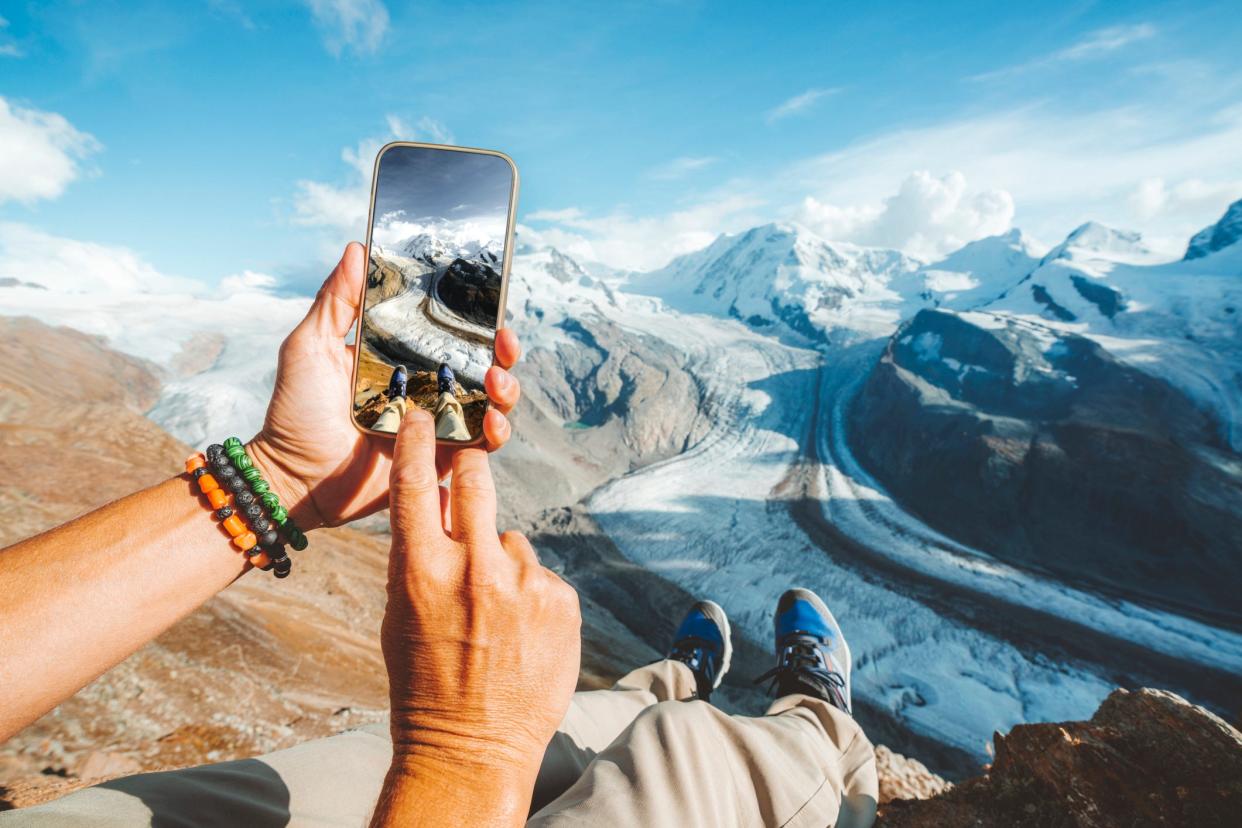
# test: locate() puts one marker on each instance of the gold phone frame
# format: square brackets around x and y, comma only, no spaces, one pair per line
[504,273]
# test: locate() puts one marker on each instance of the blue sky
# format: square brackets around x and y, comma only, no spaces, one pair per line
[214,138]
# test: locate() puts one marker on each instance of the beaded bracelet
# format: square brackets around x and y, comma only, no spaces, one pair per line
[219,498]
[236,452]
[258,505]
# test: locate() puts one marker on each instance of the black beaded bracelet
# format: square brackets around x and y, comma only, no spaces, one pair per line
[251,499]
[236,452]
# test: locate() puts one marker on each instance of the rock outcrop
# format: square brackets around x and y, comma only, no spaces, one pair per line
[471,289]
[635,393]
[1146,757]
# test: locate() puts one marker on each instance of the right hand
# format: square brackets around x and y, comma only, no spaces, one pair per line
[481,642]
[324,469]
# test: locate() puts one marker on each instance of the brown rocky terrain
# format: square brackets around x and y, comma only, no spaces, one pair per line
[1147,757]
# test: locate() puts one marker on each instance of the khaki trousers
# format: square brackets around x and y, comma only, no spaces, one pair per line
[633,755]
[450,418]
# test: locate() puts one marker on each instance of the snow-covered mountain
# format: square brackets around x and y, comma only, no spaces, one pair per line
[784,276]
[971,276]
[1177,320]
[438,242]
[437,250]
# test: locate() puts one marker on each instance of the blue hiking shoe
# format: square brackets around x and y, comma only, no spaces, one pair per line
[702,644]
[397,382]
[812,657]
[445,380]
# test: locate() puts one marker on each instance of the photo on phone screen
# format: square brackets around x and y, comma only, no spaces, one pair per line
[435,287]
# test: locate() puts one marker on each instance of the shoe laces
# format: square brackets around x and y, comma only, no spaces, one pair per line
[697,654]
[802,668]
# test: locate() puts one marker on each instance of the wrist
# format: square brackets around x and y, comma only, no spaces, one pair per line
[293,493]
[441,789]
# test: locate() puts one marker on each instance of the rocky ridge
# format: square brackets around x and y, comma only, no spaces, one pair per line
[1146,757]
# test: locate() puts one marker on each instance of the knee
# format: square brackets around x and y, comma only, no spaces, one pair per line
[670,717]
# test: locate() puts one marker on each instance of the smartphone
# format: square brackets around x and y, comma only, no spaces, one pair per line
[439,244]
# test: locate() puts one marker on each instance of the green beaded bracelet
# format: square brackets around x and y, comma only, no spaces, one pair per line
[235,450]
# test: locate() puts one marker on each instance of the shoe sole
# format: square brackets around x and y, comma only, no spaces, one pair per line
[715,612]
[822,608]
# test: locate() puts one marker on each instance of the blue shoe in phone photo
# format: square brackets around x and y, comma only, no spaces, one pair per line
[397,382]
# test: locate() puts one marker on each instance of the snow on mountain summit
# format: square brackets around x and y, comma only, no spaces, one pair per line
[1094,240]
[435,249]
[785,275]
[438,241]
[975,274]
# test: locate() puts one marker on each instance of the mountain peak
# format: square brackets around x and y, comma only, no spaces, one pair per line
[1092,237]
[1217,236]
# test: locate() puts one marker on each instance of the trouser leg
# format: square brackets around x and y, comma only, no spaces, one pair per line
[689,764]
[596,717]
[390,418]
[326,782]
[336,781]
[450,418]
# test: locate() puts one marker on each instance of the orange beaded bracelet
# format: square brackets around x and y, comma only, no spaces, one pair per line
[220,500]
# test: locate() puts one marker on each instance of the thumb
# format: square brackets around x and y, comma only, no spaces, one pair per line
[336,305]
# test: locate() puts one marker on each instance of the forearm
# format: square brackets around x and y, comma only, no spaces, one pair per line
[80,598]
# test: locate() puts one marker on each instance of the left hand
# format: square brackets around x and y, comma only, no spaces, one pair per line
[325,470]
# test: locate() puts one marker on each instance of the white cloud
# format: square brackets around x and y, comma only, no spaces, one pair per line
[11,50]
[928,216]
[797,104]
[424,129]
[359,25]
[1095,44]
[69,266]
[40,153]
[1036,167]
[566,215]
[248,281]
[1060,168]
[681,167]
[1154,197]
[1106,40]
[342,207]
[620,239]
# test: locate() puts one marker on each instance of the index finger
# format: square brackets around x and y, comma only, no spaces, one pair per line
[507,347]
[414,485]
[473,498]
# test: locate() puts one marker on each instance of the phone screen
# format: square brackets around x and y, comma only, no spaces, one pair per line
[440,224]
